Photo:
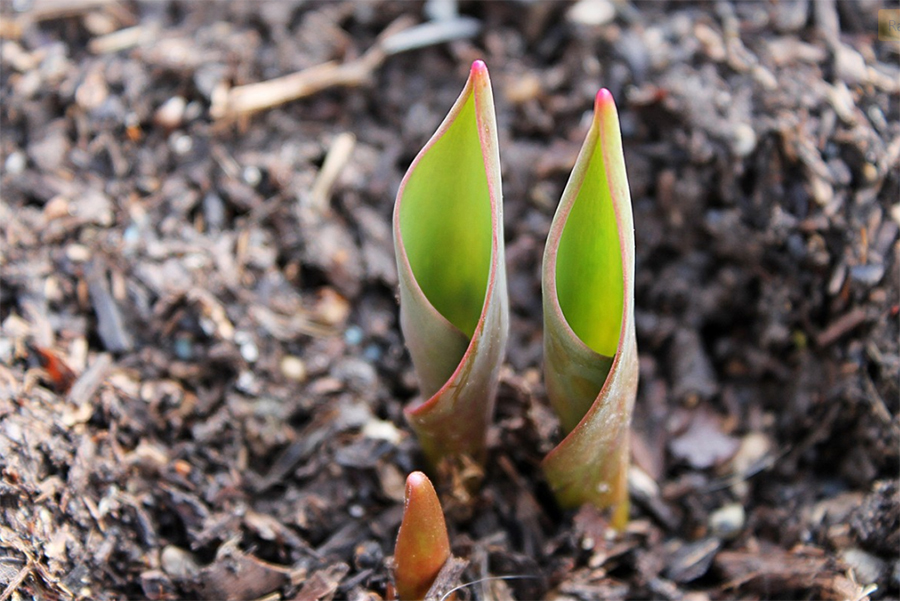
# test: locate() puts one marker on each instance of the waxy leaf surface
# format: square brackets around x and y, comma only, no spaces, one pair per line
[590,351]
[448,238]
[422,543]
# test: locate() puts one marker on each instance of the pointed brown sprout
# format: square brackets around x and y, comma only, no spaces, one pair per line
[422,543]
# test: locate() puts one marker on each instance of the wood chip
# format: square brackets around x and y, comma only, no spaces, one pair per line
[235,576]
[337,157]
[322,584]
[841,326]
[110,325]
[87,385]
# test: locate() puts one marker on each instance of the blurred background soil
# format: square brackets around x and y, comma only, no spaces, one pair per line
[201,371]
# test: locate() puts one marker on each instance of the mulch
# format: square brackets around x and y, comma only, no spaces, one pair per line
[201,372]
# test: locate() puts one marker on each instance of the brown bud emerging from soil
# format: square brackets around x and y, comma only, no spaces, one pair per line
[423,546]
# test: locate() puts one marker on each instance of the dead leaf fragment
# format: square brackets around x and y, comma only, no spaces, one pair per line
[704,444]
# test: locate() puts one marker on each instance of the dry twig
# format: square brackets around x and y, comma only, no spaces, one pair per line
[251,98]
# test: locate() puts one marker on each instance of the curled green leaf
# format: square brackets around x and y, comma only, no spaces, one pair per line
[448,238]
[590,349]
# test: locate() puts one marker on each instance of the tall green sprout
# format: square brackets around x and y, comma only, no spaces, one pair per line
[448,236]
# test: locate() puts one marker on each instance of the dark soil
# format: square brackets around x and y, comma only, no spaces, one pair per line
[201,371]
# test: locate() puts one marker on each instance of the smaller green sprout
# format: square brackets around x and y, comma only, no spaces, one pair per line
[590,348]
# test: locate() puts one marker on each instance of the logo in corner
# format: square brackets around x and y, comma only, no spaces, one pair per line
[889,24]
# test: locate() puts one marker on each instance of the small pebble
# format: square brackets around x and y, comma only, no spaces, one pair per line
[248,349]
[368,555]
[250,352]
[750,455]
[92,92]
[380,429]
[393,482]
[251,175]
[193,111]
[78,253]
[15,163]
[177,563]
[441,10]
[692,560]
[876,116]
[208,77]
[29,84]
[48,152]
[523,88]
[790,16]
[355,373]
[170,114]
[214,210]
[132,235]
[727,521]
[849,64]
[743,139]
[147,184]
[353,335]
[331,308]
[841,100]
[56,207]
[181,144]
[870,172]
[353,415]
[821,190]
[837,279]
[839,172]
[592,12]
[356,511]
[293,368]
[247,383]
[183,348]
[271,408]
[6,350]
[641,485]
[878,296]
[868,275]
[867,568]
[372,353]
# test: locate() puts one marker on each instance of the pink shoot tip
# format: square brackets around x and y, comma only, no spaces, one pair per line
[604,99]
[414,481]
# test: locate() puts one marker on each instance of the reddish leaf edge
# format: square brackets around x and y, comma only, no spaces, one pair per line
[479,84]
[605,119]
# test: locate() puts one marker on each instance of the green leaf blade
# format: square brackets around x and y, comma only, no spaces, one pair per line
[448,237]
[451,173]
[591,365]
[589,263]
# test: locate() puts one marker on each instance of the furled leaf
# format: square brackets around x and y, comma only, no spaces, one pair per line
[422,544]
[448,236]
[590,351]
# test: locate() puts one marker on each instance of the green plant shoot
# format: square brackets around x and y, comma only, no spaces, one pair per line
[448,238]
[590,349]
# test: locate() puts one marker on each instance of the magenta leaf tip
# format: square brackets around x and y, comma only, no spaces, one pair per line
[604,99]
